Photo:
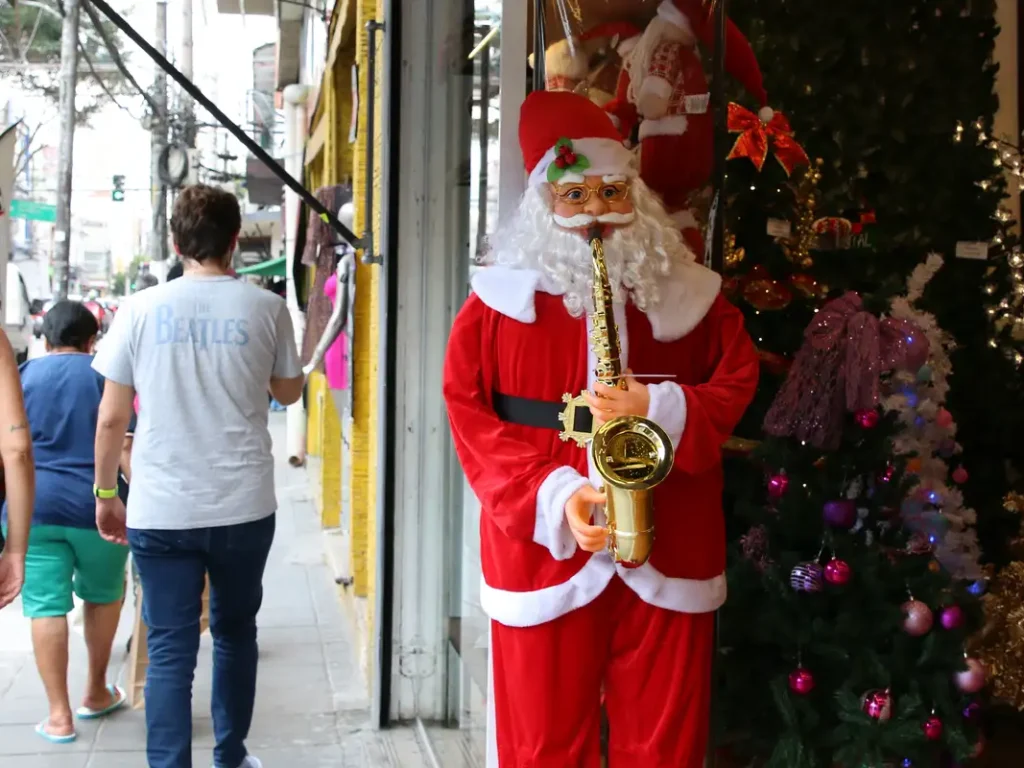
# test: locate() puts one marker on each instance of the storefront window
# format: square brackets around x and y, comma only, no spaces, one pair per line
[467,624]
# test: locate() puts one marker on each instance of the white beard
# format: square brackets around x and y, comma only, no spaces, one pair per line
[638,255]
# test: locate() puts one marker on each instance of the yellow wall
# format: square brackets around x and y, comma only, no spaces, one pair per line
[331,159]
[330,162]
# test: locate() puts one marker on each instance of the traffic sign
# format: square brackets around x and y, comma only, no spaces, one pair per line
[33,211]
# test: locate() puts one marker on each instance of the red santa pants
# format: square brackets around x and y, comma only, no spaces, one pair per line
[677,166]
[653,665]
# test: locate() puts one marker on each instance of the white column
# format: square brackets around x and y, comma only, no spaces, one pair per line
[294,142]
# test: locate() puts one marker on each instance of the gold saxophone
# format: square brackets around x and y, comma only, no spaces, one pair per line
[632,454]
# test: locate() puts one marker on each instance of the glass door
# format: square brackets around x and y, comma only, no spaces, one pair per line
[467,623]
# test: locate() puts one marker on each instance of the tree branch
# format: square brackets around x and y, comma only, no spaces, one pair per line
[99,80]
[25,151]
[115,56]
[32,37]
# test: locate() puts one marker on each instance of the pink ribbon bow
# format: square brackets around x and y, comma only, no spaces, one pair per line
[838,369]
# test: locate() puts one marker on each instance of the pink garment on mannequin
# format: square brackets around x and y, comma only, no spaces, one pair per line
[336,359]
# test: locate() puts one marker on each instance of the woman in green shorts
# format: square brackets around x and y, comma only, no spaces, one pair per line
[66,555]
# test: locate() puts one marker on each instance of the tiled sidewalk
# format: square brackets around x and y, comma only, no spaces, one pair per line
[312,706]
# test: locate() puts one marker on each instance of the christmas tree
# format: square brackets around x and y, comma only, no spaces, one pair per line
[854,567]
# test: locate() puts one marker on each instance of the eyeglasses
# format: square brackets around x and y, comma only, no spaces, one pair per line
[580,194]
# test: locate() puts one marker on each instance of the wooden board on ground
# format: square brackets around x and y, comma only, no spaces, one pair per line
[138,655]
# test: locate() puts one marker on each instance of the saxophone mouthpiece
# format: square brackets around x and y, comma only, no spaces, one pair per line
[596,232]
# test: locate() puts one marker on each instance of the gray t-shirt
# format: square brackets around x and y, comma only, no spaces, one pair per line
[200,353]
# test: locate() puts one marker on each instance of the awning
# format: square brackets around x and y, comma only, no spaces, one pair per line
[271,268]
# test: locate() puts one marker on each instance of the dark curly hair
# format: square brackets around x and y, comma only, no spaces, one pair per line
[205,223]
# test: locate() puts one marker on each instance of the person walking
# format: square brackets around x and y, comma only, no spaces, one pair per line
[19,476]
[66,554]
[205,349]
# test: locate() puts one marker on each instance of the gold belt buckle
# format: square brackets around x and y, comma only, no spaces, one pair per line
[568,419]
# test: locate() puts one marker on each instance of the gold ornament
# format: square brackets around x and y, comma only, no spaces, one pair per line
[797,247]
[1000,644]
[733,255]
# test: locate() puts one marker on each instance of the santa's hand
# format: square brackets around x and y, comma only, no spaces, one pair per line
[652,101]
[607,403]
[590,538]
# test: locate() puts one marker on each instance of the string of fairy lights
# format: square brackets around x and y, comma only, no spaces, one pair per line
[1004,288]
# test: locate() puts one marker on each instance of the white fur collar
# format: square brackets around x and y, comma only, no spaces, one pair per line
[686,296]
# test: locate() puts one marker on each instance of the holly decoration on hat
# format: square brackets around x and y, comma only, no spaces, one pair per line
[567,160]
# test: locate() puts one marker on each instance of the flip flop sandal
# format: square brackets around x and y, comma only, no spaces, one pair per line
[84,713]
[41,731]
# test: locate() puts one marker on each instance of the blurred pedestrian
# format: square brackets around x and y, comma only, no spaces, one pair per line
[66,554]
[205,350]
[19,475]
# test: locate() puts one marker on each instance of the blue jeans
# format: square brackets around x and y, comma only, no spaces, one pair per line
[172,566]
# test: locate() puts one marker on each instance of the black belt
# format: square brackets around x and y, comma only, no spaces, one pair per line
[540,413]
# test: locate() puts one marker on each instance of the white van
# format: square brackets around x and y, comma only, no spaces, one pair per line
[17,309]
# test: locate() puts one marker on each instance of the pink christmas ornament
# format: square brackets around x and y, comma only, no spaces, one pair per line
[917,618]
[868,418]
[952,617]
[777,485]
[960,475]
[944,418]
[801,681]
[837,572]
[979,748]
[877,705]
[972,679]
[932,728]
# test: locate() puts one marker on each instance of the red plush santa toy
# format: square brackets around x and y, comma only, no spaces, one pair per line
[663,86]
[567,622]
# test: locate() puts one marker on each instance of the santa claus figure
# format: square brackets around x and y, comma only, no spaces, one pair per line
[569,625]
[663,87]
[591,65]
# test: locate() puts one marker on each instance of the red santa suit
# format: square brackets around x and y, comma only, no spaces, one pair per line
[677,137]
[568,625]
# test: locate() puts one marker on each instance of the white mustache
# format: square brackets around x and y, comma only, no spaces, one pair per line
[585,219]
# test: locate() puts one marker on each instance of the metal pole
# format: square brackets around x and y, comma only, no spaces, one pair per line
[718,264]
[540,44]
[158,142]
[294,143]
[721,138]
[68,82]
[187,107]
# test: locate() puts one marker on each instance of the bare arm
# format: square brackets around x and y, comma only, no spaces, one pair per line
[287,391]
[114,416]
[16,452]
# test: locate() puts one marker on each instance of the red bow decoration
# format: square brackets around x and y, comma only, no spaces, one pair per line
[762,292]
[755,137]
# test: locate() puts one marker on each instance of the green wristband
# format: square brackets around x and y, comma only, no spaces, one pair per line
[103,493]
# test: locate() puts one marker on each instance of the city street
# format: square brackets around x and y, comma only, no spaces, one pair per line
[312,705]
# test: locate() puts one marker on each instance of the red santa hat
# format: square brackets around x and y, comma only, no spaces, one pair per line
[565,136]
[740,61]
[623,35]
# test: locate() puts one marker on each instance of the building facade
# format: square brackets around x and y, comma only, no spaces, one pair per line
[431,174]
